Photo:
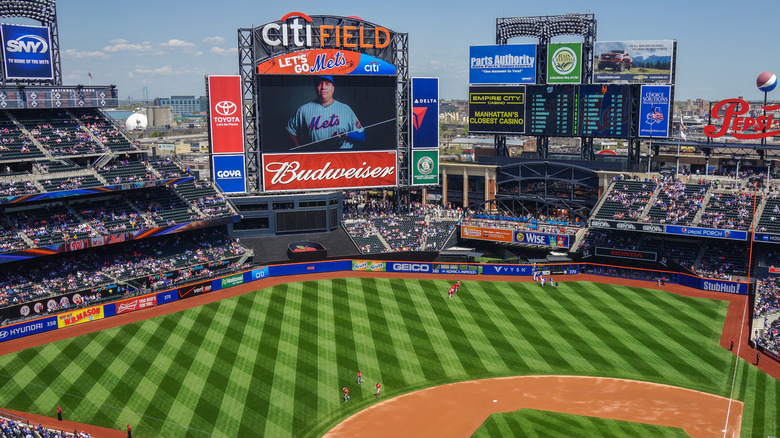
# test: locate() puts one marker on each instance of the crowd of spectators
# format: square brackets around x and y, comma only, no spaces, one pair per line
[722,261]
[17,188]
[767,297]
[676,203]
[729,211]
[771,338]
[89,269]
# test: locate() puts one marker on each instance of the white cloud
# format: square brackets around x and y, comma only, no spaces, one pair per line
[174,43]
[224,52]
[96,54]
[125,46]
[214,40]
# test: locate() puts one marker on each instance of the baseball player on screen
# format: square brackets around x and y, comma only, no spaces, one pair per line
[325,118]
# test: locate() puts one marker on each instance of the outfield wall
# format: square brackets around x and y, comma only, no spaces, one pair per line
[93,313]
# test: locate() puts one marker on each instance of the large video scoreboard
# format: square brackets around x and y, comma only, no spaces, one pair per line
[551,110]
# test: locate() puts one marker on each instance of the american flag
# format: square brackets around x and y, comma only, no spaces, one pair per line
[89,74]
[682,129]
[657,115]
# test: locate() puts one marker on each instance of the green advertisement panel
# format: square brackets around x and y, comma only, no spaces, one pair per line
[425,167]
[564,63]
[233,280]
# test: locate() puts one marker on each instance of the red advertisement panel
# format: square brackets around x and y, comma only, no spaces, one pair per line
[481,233]
[323,171]
[136,304]
[225,115]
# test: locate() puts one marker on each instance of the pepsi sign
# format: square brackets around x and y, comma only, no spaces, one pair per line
[27,52]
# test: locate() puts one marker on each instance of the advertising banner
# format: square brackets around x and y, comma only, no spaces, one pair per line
[167,296]
[425,112]
[654,110]
[483,233]
[507,270]
[229,173]
[542,239]
[497,110]
[79,316]
[455,268]
[28,328]
[27,52]
[192,290]
[426,268]
[764,237]
[626,254]
[256,274]
[325,62]
[365,265]
[707,232]
[425,167]
[233,280]
[633,61]
[226,116]
[564,63]
[326,171]
[310,268]
[502,64]
[730,287]
[136,304]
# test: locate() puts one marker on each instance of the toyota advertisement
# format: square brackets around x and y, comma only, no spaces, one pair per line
[226,120]
[27,52]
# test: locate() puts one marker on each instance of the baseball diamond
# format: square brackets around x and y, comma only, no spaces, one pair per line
[272,356]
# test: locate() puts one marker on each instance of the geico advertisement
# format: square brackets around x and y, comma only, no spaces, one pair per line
[79,316]
[317,171]
[409,267]
[229,173]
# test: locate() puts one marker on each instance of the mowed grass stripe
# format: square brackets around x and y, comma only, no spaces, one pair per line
[272,374]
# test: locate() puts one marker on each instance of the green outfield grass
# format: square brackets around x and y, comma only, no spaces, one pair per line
[534,423]
[272,363]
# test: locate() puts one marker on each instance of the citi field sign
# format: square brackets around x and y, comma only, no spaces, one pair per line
[303,44]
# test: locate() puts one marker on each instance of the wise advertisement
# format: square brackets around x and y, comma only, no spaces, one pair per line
[483,233]
[645,62]
[654,110]
[226,118]
[229,173]
[326,62]
[79,316]
[27,52]
[502,64]
[325,171]
[425,112]
[542,239]
[564,63]
[425,167]
[497,110]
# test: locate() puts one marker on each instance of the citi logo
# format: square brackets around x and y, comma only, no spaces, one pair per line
[225,108]
[27,44]
[225,174]
[372,66]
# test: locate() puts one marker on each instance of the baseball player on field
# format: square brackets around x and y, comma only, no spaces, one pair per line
[378,387]
[325,118]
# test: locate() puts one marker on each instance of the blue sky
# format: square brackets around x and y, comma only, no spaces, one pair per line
[169,46]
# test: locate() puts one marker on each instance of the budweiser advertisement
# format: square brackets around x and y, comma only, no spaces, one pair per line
[226,120]
[326,171]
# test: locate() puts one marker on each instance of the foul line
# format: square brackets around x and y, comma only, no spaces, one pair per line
[109,406]
[736,367]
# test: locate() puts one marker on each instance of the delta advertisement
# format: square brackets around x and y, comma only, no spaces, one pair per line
[654,110]
[633,61]
[229,173]
[497,109]
[226,117]
[503,64]
[564,63]
[27,52]
[325,171]
[425,113]
[79,316]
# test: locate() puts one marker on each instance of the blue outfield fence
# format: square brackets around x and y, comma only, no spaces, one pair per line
[49,323]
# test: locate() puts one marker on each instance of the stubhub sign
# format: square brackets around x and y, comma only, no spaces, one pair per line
[229,173]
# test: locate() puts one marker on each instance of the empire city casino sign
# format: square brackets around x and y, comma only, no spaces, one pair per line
[299,30]
[740,126]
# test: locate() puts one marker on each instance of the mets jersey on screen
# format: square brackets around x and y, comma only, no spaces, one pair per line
[314,122]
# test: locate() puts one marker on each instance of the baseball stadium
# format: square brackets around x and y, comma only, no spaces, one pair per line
[336,274]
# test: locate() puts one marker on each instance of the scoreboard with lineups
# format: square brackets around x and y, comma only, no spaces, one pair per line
[567,111]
